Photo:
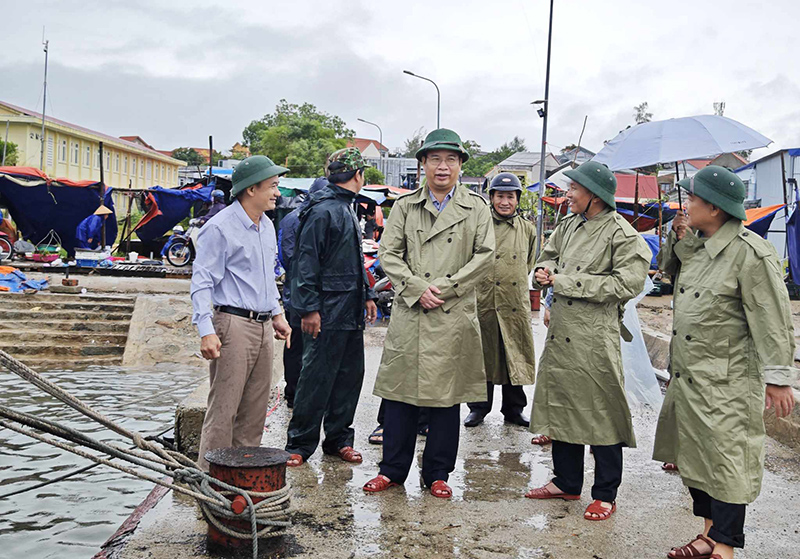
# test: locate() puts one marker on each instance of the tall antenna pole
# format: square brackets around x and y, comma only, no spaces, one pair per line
[543,113]
[44,98]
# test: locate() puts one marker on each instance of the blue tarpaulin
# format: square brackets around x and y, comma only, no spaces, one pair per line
[652,242]
[166,207]
[793,242]
[16,281]
[38,204]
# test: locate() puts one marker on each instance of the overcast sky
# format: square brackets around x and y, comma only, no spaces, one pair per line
[175,72]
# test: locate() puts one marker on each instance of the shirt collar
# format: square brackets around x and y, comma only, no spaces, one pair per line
[244,218]
[717,242]
[446,198]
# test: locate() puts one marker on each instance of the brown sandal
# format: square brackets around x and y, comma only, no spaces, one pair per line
[295,460]
[440,489]
[378,483]
[349,454]
[541,440]
[601,512]
[544,493]
[689,551]
[669,467]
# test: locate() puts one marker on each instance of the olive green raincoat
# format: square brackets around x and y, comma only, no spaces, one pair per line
[732,333]
[433,358]
[599,264]
[504,304]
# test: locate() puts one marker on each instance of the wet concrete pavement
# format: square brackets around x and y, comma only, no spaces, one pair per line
[488,516]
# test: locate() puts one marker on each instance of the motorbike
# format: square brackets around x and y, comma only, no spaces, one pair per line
[378,280]
[6,247]
[179,248]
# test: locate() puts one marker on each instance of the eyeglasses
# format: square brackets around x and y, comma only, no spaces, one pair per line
[450,160]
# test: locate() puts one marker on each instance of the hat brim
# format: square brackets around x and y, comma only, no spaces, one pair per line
[268,173]
[449,146]
[581,179]
[103,210]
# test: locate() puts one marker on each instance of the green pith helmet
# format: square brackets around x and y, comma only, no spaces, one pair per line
[252,171]
[344,161]
[718,186]
[597,178]
[443,139]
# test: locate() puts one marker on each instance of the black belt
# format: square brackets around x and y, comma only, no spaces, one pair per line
[252,315]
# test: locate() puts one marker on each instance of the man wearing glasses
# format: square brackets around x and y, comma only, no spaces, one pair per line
[436,248]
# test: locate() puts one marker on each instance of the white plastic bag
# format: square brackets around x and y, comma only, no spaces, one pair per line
[641,384]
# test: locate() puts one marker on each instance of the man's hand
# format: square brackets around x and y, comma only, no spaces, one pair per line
[546,318]
[311,324]
[680,224]
[210,346]
[282,329]
[543,277]
[372,310]
[782,398]
[429,300]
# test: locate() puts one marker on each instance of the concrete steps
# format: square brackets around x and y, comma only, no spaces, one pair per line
[48,331]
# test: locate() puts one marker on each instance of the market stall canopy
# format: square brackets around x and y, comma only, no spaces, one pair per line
[677,139]
[760,219]
[39,204]
[166,207]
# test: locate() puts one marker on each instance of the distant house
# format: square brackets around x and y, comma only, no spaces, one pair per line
[690,167]
[770,180]
[525,165]
[238,150]
[369,148]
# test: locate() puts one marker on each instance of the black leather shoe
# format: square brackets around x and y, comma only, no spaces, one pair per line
[518,419]
[474,419]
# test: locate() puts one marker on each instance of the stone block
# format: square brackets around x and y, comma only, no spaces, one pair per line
[657,347]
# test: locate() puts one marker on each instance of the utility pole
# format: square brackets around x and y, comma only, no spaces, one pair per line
[44,97]
[543,111]
[102,201]
[380,141]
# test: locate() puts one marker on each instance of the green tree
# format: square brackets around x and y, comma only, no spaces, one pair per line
[11,152]
[412,144]
[640,113]
[479,165]
[719,108]
[216,157]
[570,147]
[297,136]
[189,155]
[374,176]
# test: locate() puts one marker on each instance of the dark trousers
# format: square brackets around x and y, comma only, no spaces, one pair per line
[422,422]
[327,392]
[728,519]
[514,401]
[568,469]
[400,438]
[292,358]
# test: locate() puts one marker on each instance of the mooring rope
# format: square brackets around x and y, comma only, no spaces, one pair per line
[268,516]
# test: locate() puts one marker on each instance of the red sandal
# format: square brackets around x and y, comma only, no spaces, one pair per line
[440,489]
[689,551]
[295,460]
[669,467]
[349,454]
[378,483]
[544,493]
[541,440]
[598,509]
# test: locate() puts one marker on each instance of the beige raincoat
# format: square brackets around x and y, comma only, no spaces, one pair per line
[433,358]
[504,304]
[600,264]
[732,333]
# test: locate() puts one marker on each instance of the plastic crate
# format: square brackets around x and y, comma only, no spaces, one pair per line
[794,290]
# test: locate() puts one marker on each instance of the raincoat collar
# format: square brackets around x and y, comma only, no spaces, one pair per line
[511,219]
[723,237]
[593,224]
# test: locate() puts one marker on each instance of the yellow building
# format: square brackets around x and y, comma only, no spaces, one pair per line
[73,152]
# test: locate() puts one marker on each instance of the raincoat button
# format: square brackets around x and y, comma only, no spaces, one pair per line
[402,283]
[446,312]
[447,275]
[513,283]
[424,311]
[569,303]
[455,284]
[696,295]
[578,284]
[578,268]
[690,381]
[555,271]
[744,234]
[552,337]
[554,299]
[688,338]
[514,257]
[497,283]
[567,340]
[677,375]
[682,290]
[449,240]
[674,332]
[427,274]
[497,257]
[513,310]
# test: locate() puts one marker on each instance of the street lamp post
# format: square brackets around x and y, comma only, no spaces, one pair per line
[543,111]
[380,141]
[438,95]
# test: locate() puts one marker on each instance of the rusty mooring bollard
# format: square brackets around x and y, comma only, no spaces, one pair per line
[252,468]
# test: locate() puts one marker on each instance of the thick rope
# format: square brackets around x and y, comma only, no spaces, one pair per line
[268,516]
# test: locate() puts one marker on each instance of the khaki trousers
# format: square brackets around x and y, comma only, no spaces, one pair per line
[240,385]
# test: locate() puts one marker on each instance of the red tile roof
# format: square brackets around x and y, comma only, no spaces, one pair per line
[363,143]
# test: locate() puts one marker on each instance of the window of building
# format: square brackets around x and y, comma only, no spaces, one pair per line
[87,158]
[75,153]
[125,165]
[141,169]
[97,158]
[116,163]
[163,173]
[133,167]
[50,150]
[108,161]
[62,152]
[149,172]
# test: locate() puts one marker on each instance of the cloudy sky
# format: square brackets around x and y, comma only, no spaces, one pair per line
[175,72]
